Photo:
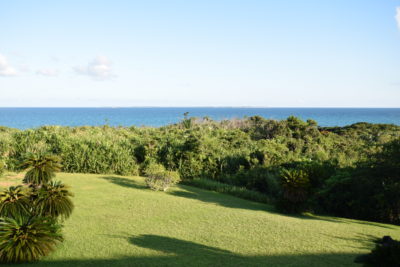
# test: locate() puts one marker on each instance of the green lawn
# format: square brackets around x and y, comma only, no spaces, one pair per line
[118,222]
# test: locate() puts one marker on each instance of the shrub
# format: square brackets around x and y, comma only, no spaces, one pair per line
[151,167]
[25,238]
[386,253]
[157,178]
[162,180]
[295,185]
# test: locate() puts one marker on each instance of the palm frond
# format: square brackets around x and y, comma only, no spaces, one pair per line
[24,238]
[53,200]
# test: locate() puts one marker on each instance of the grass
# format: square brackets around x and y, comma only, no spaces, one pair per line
[237,191]
[119,222]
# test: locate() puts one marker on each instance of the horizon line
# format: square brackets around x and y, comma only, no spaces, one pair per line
[277,107]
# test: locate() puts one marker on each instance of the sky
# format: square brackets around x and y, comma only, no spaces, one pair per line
[289,53]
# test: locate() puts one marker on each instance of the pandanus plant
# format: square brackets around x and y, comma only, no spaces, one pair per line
[29,216]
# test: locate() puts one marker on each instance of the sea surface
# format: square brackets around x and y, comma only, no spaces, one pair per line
[23,118]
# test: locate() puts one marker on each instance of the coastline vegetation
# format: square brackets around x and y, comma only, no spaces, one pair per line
[350,171]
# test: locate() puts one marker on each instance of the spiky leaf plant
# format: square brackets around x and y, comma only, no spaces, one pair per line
[295,185]
[40,168]
[53,200]
[24,238]
[14,201]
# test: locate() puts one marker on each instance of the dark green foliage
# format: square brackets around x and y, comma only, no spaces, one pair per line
[26,238]
[295,190]
[224,188]
[369,191]
[40,168]
[248,153]
[14,201]
[386,253]
[53,200]
[98,156]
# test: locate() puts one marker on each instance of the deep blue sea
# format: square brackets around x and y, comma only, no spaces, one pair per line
[23,118]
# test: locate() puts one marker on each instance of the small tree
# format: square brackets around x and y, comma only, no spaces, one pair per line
[40,169]
[29,216]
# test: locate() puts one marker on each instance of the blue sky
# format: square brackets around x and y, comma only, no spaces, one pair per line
[342,53]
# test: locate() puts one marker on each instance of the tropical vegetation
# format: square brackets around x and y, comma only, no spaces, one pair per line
[30,214]
[350,171]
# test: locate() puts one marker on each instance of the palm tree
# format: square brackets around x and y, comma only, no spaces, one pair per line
[14,201]
[26,238]
[53,200]
[40,168]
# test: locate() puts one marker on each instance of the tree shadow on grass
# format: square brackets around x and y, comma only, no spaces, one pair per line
[224,200]
[236,202]
[364,241]
[232,201]
[168,251]
[125,182]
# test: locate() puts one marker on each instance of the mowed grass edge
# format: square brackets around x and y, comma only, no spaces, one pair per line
[117,221]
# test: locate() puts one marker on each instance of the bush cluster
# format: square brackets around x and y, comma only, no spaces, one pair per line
[296,163]
[386,253]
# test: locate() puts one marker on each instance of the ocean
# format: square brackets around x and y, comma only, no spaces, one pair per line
[23,118]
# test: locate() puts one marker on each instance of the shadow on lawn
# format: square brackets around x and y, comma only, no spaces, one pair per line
[125,182]
[232,201]
[186,253]
[235,202]
[364,241]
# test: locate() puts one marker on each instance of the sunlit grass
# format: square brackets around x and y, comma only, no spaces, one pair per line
[119,222]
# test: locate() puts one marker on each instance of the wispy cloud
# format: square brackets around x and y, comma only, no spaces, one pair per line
[397,17]
[5,68]
[100,69]
[47,72]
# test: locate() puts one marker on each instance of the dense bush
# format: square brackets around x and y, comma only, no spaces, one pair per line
[158,178]
[368,191]
[295,190]
[386,253]
[344,165]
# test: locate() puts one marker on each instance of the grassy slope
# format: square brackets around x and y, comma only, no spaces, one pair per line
[118,222]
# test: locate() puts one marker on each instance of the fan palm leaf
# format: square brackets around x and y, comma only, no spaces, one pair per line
[24,238]
[53,200]
[14,201]
[40,168]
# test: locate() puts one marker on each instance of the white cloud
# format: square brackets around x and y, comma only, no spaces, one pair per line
[5,68]
[100,69]
[47,72]
[397,17]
